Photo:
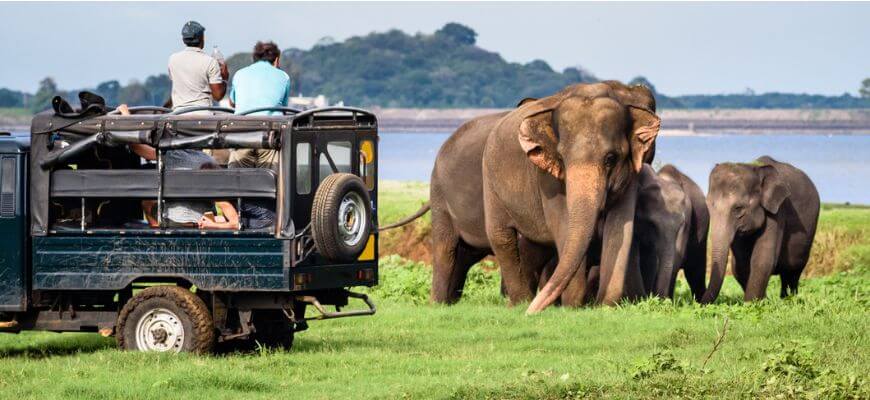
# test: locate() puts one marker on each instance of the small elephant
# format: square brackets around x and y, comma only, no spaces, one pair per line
[671,224]
[766,212]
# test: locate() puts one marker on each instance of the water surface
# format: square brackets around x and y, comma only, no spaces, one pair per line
[839,165]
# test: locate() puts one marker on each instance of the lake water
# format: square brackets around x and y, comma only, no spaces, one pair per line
[839,165]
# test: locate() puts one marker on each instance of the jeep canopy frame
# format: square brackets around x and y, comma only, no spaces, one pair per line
[172,132]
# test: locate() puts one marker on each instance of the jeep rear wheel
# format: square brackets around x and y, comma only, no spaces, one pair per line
[165,319]
[341,217]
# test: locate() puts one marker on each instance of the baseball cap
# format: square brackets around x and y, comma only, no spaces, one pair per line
[192,30]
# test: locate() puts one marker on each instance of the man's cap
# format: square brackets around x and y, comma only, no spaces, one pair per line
[192,30]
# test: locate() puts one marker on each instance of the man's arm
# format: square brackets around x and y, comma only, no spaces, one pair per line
[218,90]
[218,73]
[142,150]
[286,100]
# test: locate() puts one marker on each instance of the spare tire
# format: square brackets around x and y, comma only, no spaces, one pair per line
[341,217]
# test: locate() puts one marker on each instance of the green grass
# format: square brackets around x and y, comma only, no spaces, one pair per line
[814,345]
[399,199]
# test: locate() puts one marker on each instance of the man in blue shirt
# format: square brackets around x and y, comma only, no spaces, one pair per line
[258,85]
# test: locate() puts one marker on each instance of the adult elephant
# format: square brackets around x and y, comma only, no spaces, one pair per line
[551,169]
[459,233]
[766,213]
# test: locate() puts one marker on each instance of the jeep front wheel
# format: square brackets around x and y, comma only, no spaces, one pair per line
[165,319]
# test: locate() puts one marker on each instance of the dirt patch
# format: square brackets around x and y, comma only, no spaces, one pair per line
[412,241]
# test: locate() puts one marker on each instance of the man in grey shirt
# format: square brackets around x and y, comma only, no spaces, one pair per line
[197,78]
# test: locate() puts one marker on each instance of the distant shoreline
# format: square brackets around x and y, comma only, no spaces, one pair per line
[674,122]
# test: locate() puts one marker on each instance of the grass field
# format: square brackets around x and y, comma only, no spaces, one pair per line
[815,345]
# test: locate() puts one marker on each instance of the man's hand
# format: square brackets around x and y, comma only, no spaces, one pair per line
[123,109]
[225,72]
[205,223]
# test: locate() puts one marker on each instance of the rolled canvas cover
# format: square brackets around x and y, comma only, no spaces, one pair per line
[226,183]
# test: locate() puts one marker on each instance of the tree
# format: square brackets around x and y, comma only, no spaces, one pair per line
[865,89]
[42,99]
[159,89]
[109,90]
[11,98]
[134,94]
[459,33]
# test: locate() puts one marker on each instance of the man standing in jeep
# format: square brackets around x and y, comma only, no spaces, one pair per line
[197,78]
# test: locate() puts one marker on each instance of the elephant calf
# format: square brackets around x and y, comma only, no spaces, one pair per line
[766,212]
[671,224]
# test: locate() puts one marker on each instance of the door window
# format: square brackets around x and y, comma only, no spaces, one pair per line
[303,168]
[7,187]
[339,152]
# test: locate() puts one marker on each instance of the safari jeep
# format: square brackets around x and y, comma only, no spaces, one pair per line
[78,255]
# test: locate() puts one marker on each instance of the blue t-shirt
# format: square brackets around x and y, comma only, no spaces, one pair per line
[259,85]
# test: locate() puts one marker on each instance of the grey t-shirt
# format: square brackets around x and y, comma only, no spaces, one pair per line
[191,71]
[184,212]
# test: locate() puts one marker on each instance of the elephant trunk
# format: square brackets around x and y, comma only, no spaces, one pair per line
[666,250]
[722,235]
[585,194]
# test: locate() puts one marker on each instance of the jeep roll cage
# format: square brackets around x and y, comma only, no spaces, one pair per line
[56,140]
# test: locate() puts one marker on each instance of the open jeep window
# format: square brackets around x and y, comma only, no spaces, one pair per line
[340,154]
[303,168]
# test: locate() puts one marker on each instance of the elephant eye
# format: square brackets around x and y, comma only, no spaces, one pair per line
[610,160]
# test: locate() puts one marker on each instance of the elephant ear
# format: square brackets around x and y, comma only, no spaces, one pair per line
[774,190]
[537,137]
[525,101]
[645,127]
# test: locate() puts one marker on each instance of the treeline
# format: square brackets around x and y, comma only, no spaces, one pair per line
[154,91]
[445,69]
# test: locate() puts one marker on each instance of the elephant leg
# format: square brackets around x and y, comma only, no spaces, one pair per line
[620,269]
[537,261]
[789,281]
[592,281]
[764,258]
[740,264]
[517,279]
[695,269]
[575,294]
[451,260]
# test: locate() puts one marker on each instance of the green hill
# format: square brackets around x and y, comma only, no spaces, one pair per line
[394,69]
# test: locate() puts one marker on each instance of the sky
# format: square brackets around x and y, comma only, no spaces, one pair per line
[682,48]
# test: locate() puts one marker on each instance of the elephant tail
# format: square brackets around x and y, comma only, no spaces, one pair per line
[423,210]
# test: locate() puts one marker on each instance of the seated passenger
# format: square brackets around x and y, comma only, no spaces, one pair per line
[261,84]
[199,213]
